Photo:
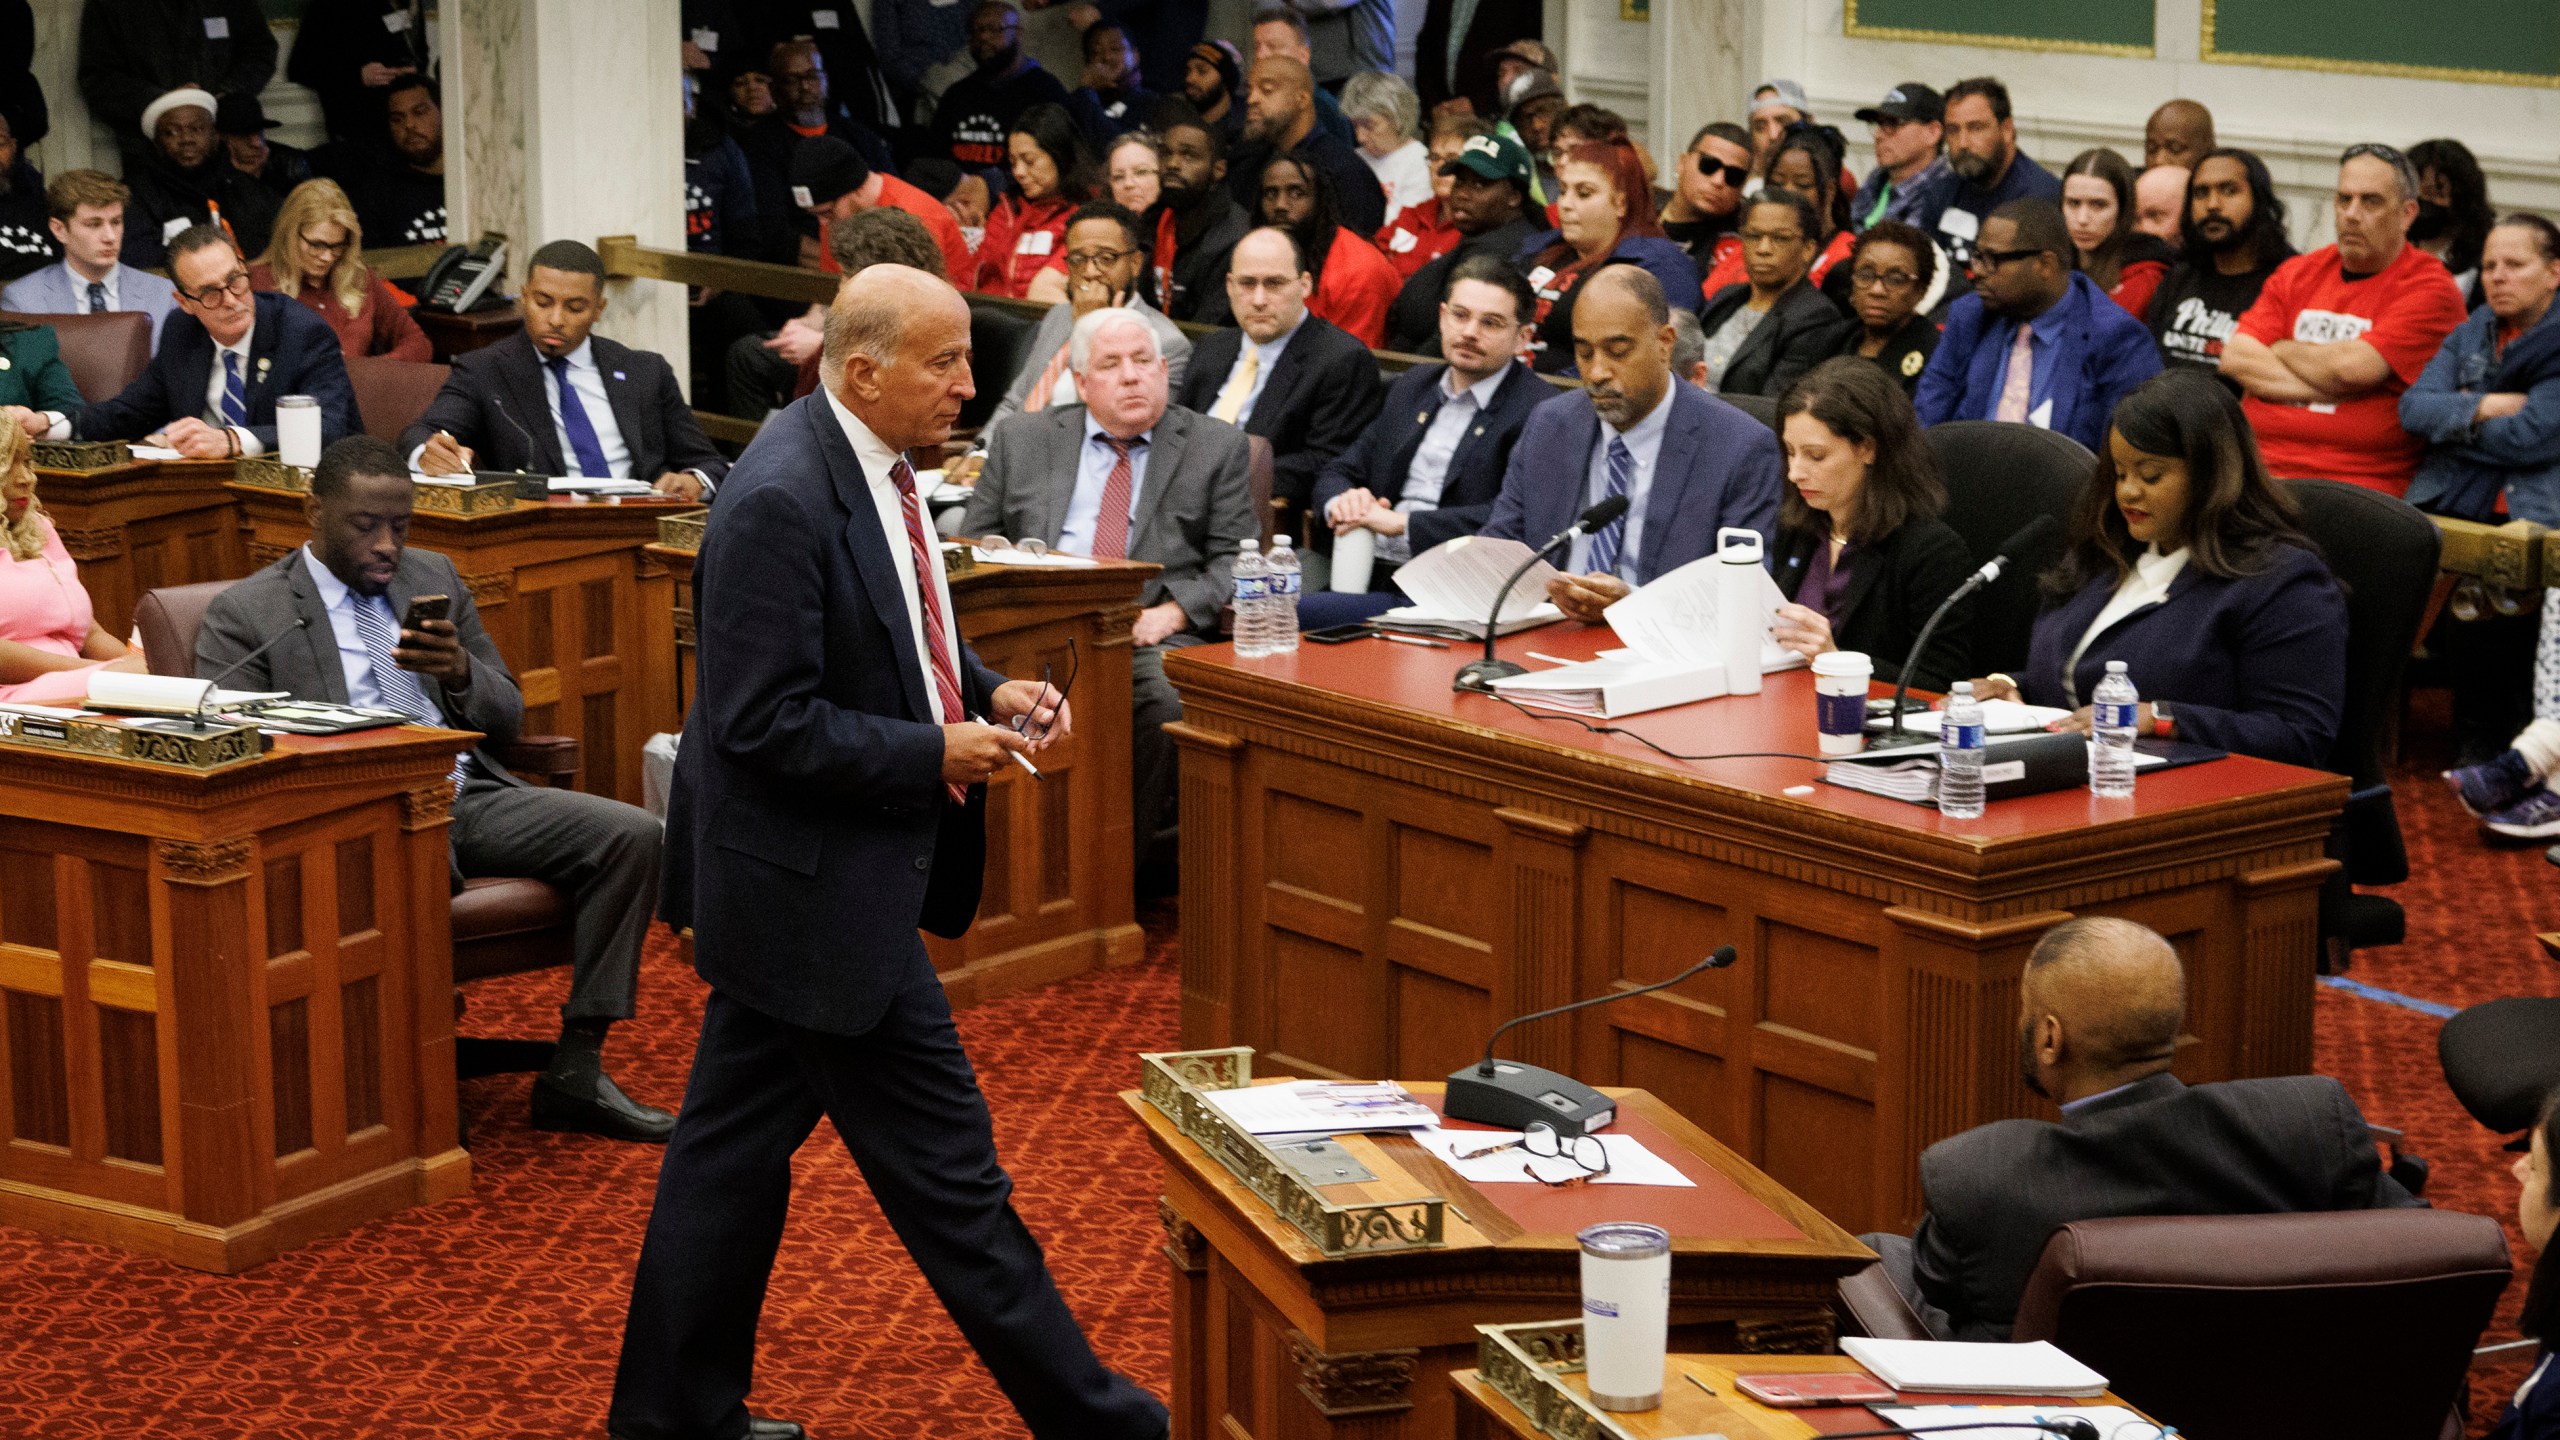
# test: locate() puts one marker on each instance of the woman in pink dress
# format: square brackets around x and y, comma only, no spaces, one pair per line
[49,637]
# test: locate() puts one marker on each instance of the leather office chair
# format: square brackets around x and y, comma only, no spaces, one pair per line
[392,394]
[1763,408]
[999,342]
[2501,1058]
[2232,1327]
[103,352]
[2000,475]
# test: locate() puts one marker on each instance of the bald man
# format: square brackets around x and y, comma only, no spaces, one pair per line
[830,799]
[2100,1009]
[2160,203]
[2177,133]
[1280,116]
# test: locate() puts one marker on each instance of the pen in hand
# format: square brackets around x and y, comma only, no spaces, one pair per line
[1018,757]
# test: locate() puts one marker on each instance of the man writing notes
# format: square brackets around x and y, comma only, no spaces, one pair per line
[829,801]
[555,399]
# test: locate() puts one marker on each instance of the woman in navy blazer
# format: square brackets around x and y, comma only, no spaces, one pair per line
[2188,564]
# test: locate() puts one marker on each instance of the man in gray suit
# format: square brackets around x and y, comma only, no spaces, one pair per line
[349,592]
[2103,1001]
[1127,475]
[88,211]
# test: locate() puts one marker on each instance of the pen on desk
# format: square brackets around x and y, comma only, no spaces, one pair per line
[1552,659]
[1411,640]
[1701,1384]
[1016,754]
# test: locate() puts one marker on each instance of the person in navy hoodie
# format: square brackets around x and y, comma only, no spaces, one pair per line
[2534,1413]
[2187,563]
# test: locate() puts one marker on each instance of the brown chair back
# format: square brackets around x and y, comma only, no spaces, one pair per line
[168,620]
[392,394]
[103,352]
[2356,1322]
[1259,470]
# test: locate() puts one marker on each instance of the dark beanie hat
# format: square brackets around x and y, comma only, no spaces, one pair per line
[1226,60]
[824,170]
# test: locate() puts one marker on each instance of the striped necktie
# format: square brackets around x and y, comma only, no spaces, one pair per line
[2018,386]
[946,681]
[97,297]
[1111,525]
[399,689]
[1602,558]
[235,396]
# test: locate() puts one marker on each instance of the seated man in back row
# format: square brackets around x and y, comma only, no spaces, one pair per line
[555,399]
[350,589]
[2101,1005]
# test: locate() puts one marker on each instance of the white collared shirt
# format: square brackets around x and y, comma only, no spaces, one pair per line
[588,380]
[213,386]
[1644,442]
[80,284]
[1095,460]
[1269,351]
[2147,583]
[353,659]
[877,460]
[1428,474]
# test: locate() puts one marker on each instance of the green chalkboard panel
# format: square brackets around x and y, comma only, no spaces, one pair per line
[2514,42]
[2104,27]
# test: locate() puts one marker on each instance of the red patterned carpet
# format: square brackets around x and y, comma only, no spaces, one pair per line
[498,1314]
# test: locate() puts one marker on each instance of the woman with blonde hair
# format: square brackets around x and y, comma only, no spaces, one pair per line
[49,637]
[316,255]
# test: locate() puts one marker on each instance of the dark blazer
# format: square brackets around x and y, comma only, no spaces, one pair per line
[1799,332]
[1995,1193]
[266,604]
[1906,351]
[1413,321]
[1322,393]
[2099,354]
[808,832]
[1195,506]
[2256,665]
[1893,585]
[1719,468]
[657,425]
[292,351]
[1379,461]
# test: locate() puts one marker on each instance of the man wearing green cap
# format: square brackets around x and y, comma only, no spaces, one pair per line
[1487,204]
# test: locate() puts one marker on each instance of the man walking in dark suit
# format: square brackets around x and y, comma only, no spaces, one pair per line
[1125,476]
[556,399]
[349,591]
[210,390]
[2102,1002]
[827,801]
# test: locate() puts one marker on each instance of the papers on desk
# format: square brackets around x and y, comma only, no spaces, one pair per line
[581,485]
[2110,1419]
[1999,717]
[463,481]
[1321,1107]
[1630,1163]
[153,452]
[1971,1368]
[164,694]
[1672,654]
[1453,583]
[2019,763]
[1052,560]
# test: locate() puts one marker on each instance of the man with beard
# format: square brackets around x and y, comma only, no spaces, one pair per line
[1113,98]
[1213,81]
[1283,32]
[2232,238]
[1982,150]
[2100,1007]
[189,181]
[979,109]
[401,201]
[1280,116]
[1199,225]
[243,124]
[1488,205]
[804,110]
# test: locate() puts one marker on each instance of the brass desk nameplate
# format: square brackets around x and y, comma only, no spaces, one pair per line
[80,454]
[1523,1361]
[175,743]
[269,473]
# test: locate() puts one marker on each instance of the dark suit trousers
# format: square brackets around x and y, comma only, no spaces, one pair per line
[1154,766]
[603,853]
[907,1105]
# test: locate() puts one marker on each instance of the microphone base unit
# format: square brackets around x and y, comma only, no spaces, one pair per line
[1899,740]
[1479,675]
[1517,1095]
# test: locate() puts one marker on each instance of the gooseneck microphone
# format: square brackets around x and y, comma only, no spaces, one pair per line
[2070,1427]
[1480,674]
[204,702]
[1514,1095]
[529,486]
[2028,534]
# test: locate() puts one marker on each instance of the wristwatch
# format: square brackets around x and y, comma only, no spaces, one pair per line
[2161,724]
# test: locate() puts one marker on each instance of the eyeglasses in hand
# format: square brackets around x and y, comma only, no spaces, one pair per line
[1052,695]
[1544,1143]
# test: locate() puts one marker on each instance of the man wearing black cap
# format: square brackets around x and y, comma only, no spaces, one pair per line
[243,124]
[804,111]
[1488,205]
[1909,124]
[830,181]
[1213,81]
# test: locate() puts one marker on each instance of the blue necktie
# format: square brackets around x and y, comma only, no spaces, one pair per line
[1603,556]
[396,688]
[573,418]
[235,400]
[97,298]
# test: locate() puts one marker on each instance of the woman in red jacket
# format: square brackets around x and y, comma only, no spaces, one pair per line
[1052,175]
[316,255]
[2097,207]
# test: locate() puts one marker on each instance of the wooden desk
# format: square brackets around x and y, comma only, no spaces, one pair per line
[453,335]
[228,995]
[1273,1339]
[1484,1413]
[143,525]
[1377,871]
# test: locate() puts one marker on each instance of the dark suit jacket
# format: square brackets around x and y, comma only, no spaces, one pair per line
[1195,506]
[1995,1193]
[1378,463]
[1322,393]
[1718,468]
[266,604]
[292,351]
[1413,321]
[1906,351]
[1893,585]
[657,425]
[2098,355]
[808,832]
[2255,665]
[1798,333]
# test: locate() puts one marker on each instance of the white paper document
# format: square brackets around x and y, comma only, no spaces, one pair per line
[1975,1368]
[1999,717]
[166,694]
[2114,1422]
[1313,1107]
[153,452]
[1453,583]
[1672,654]
[1049,561]
[1630,1163]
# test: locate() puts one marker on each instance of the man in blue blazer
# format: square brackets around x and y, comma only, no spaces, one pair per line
[210,392]
[829,799]
[1688,463]
[2085,352]
[87,219]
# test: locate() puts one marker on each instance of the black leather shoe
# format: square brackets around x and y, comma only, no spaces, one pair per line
[597,1107]
[764,1427]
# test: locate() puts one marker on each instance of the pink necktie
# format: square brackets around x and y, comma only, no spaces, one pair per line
[946,683]
[2021,378]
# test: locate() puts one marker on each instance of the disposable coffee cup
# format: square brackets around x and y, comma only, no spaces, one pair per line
[298,430]
[1354,555]
[1840,681]
[1626,1313]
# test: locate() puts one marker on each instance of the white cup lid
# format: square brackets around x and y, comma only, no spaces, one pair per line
[1843,662]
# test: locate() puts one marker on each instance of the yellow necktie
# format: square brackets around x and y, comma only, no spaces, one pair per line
[1239,385]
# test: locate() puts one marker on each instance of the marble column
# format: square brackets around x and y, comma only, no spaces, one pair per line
[564,119]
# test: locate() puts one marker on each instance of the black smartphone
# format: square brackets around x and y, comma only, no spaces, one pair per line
[1336,634]
[427,607]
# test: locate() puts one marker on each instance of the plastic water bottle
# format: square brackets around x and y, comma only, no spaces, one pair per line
[1280,636]
[1253,595]
[2111,718]
[1960,755]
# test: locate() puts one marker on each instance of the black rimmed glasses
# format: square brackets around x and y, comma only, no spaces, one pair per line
[1543,1142]
[237,283]
[1051,693]
[1867,277]
[1993,259]
[1096,259]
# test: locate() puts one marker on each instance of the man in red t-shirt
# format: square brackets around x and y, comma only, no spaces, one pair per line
[2337,334]
[832,181]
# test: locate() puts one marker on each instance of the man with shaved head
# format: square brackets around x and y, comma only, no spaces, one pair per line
[1280,116]
[2160,203]
[2177,133]
[830,799]
[2101,1007]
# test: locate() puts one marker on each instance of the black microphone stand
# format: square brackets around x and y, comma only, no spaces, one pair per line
[1514,1094]
[1897,737]
[1479,675]
[204,702]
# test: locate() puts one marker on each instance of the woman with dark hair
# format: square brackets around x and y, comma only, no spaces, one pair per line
[1354,283]
[2454,214]
[2231,239]
[1763,333]
[1604,212]
[1807,161]
[2534,1414]
[2188,563]
[1052,175]
[1862,556]
[2098,210]
[1892,269]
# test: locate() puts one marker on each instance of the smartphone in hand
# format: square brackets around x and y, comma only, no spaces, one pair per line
[427,607]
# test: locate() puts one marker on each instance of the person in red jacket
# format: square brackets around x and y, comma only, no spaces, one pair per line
[1052,175]
[2098,209]
[1354,283]
[1418,235]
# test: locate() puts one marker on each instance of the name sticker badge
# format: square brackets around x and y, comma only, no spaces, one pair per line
[825,20]
[1402,242]
[217,27]
[396,21]
[706,40]
[1038,242]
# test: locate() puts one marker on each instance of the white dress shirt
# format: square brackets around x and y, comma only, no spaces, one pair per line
[340,602]
[1095,460]
[2147,583]
[877,460]
[1428,475]
[213,387]
[1644,441]
[80,289]
[588,380]
[1270,352]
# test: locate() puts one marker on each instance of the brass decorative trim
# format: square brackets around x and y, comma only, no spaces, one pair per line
[209,862]
[1855,31]
[80,454]
[465,501]
[490,591]
[683,531]
[2212,55]
[1521,1363]
[1362,1382]
[269,473]
[1185,1248]
[146,741]
[101,542]
[426,806]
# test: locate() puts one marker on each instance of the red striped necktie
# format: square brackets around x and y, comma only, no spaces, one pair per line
[946,681]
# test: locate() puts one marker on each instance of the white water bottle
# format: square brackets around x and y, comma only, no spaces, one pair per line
[1280,637]
[1741,625]
[1253,594]
[1960,755]
[2111,725]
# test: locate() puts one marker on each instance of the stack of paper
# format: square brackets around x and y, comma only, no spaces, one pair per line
[1306,1107]
[164,694]
[1453,583]
[1672,654]
[1999,717]
[1630,1163]
[2107,1418]
[1955,1367]
[1911,774]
